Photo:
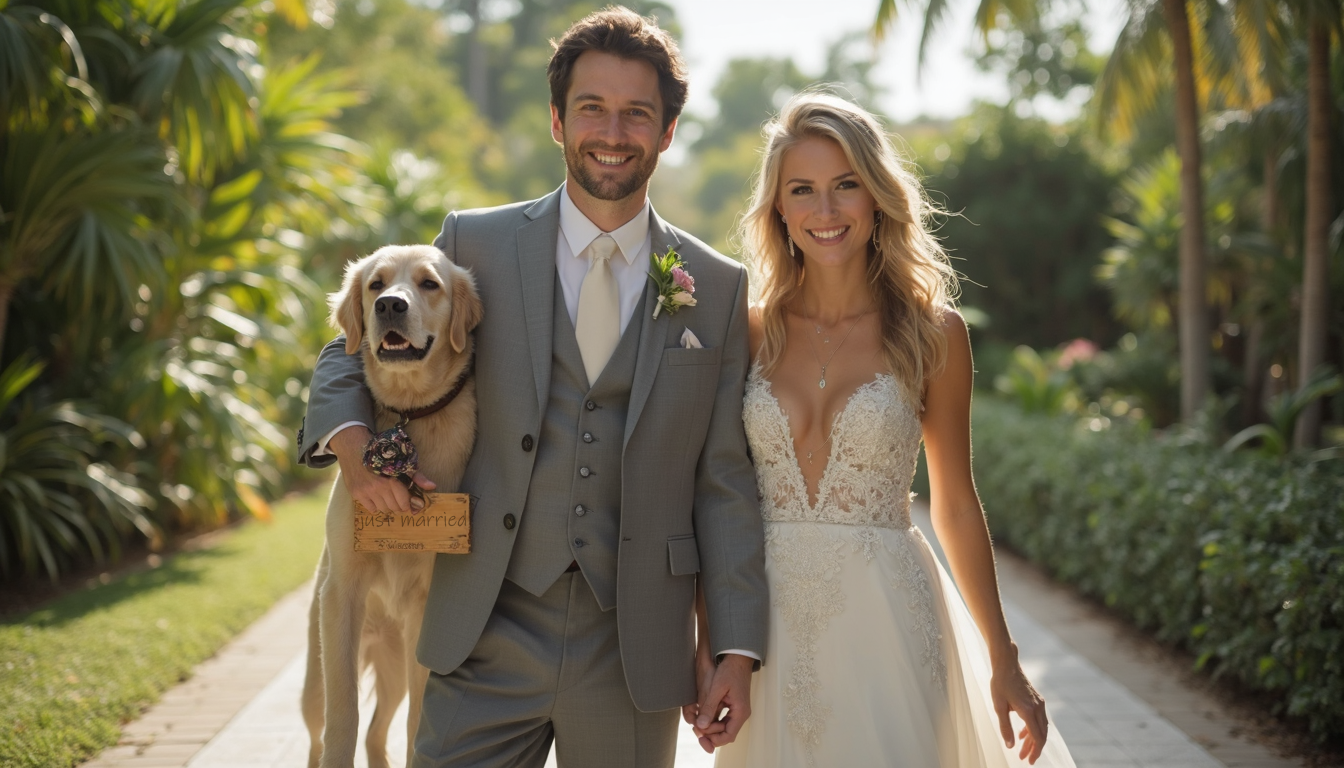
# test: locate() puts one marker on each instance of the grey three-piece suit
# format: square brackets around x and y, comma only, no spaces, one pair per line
[642,479]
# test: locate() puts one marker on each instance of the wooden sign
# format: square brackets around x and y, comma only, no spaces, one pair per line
[443,526]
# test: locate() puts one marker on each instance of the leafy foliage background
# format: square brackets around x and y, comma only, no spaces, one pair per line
[1236,557]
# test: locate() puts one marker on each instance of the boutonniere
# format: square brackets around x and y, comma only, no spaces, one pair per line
[675,285]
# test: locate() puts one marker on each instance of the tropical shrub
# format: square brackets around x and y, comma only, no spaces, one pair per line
[57,500]
[163,190]
[1237,557]
[1038,384]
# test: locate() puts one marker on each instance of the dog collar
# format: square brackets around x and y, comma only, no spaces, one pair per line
[442,402]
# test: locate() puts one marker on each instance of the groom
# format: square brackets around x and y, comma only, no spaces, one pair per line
[610,471]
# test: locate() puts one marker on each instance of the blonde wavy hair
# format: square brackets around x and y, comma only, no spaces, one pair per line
[912,282]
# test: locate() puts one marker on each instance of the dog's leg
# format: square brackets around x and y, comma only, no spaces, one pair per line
[416,675]
[314,698]
[342,621]
[389,671]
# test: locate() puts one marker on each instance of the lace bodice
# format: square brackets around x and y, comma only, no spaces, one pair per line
[874,447]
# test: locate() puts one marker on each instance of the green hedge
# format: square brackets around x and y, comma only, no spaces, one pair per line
[1236,557]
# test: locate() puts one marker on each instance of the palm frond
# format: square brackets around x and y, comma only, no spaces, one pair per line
[195,86]
[76,203]
[25,61]
[1136,70]
[57,502]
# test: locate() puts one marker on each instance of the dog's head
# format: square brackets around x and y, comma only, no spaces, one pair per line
[409,303]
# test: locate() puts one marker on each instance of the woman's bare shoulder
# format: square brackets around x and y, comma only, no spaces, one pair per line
[953,323]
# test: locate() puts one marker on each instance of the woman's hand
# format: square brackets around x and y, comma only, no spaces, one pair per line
[1010,690]
[704,678]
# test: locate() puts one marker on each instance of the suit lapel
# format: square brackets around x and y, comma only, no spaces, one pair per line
[536,265]
[652,332]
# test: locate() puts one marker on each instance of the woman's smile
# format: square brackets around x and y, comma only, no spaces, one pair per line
[830,236]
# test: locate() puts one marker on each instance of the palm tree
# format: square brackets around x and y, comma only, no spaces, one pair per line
[1193,308]
[1322,18]
[1157,42]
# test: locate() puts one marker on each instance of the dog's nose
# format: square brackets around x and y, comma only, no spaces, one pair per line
[390,304]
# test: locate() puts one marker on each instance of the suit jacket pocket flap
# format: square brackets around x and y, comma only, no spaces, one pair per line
[701,356]
[683,555]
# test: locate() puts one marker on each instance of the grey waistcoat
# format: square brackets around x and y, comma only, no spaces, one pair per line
[573,508]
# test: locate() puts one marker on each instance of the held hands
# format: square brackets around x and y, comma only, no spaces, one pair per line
[1010,690]
[373,491]
[704,678]
[727,686]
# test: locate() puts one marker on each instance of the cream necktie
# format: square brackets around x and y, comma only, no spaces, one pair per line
[598,324]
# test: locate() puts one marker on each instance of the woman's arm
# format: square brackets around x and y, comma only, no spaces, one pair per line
[959,522]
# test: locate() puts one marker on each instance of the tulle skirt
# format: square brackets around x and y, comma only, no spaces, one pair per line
[873,660]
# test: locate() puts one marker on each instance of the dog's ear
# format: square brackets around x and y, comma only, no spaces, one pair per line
[467,309]
[347,306]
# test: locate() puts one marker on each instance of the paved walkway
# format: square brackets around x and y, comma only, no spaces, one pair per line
[241,709]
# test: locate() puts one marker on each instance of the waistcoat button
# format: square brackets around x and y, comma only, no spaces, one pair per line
[584,471]
[590,405]
[578,543]
[587,437]
[527,442]
[580,511]
[510,521]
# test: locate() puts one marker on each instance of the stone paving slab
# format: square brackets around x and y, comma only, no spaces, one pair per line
[1151,676]
[269,732]
[191,714]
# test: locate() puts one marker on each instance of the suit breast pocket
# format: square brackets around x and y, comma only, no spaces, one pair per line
[700,356]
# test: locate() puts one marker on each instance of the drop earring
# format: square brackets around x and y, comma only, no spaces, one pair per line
[877,226]
[791,251]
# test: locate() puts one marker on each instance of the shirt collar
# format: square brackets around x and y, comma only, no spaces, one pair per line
[579,231]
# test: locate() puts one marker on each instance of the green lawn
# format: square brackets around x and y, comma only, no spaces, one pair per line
[72,672]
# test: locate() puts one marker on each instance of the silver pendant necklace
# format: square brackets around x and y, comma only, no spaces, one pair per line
[824,443]
[821,383]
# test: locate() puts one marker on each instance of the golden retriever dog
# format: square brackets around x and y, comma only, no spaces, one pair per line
[409,311]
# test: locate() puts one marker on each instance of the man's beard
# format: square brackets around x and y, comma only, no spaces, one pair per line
[610,189]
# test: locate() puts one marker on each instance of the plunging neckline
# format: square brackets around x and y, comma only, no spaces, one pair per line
[810,506]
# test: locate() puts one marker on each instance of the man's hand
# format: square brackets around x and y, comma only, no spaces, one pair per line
[704,678]
[371,490]
[730,689]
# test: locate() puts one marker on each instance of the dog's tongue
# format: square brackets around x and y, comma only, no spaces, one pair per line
[393,337]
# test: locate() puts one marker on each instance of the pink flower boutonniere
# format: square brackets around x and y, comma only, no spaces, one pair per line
[676,287]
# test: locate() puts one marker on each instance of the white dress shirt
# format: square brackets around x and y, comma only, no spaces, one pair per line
[633,241]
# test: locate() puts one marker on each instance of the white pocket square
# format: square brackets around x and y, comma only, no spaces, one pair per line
[688,340]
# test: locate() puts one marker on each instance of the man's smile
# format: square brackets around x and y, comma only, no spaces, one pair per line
[606,158]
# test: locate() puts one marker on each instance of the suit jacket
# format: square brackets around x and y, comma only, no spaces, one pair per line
[688,489]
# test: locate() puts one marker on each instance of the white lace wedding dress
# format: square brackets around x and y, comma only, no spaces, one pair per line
[873,659]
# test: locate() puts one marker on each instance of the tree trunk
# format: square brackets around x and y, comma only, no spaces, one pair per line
[1253,370]
[478,89]
[1269,211]
[1253,373]
[1316,239]
[1193,314]
[6,293]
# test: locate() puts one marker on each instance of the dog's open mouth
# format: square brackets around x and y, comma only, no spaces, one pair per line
[396,347]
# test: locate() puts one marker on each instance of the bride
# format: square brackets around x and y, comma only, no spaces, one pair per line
[873,658]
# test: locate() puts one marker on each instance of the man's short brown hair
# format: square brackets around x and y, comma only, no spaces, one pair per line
[621,32]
